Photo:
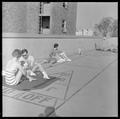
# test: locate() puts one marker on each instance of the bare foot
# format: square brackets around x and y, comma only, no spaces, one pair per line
[31,79]
[46,77]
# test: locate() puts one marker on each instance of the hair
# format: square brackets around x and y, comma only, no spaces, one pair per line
[16,53]
[24,50]
[56,45]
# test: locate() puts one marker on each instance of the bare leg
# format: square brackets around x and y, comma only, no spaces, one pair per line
[29,73]
[18,76]
[41,69]
[64,56]
[47,60]
[59,58]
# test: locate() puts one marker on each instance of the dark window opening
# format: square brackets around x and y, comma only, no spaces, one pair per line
[64,26]
[46,22]
[65,5]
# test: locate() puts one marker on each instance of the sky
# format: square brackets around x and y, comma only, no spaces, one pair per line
[90,13]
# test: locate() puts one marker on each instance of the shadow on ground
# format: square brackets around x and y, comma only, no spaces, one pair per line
[26,85]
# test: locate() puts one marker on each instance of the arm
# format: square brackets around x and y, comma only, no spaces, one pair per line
[51,54]
[21,69]
[32,61]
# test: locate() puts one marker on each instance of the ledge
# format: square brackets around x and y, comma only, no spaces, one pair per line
[26,35]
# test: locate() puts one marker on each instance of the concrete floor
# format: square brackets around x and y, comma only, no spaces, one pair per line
[88,88]
[99,98]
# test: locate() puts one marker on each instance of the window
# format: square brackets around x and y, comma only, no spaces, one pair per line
[64,26]
[65,5]
[46,22]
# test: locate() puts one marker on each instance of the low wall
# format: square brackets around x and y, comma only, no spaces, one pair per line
[40,46]
[110,43]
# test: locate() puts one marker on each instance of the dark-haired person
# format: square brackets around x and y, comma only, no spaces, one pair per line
[31,65]
[58,54]
[13,70]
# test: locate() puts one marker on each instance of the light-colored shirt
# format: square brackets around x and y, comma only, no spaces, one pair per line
[54,52]
[29,62]
[10,71]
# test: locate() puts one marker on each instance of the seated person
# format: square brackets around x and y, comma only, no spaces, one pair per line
[13,70]
[30,65]
[56,55]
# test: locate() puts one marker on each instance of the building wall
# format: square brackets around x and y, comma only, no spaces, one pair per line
[71,18]
[32,15]
[14,17]
[56,18]
[59,13]
[47,12]
[23,17]
[47,8]
[20,17]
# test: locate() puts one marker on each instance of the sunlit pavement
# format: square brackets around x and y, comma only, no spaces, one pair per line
[90,89]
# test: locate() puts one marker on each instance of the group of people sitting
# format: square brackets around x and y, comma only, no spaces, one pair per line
[24,64]
[21,64]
